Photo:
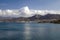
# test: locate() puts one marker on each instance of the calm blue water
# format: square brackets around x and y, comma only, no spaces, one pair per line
[29,31]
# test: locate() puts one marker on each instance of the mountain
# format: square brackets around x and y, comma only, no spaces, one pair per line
[50,16]
[34,17]
[47,17]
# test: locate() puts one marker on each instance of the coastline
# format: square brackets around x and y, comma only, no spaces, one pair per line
[35,21]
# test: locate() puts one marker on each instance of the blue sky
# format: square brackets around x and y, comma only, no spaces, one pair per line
[33,4]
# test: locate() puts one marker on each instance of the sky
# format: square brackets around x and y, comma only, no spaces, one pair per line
[32,4]
[28,8]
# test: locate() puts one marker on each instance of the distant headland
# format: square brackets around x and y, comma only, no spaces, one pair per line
[49,18]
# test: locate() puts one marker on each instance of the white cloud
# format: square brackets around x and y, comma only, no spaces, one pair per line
[25,12]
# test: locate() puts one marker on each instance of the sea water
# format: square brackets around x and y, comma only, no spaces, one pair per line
[29,31]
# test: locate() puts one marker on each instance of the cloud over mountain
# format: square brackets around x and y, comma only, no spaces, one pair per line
[25,12]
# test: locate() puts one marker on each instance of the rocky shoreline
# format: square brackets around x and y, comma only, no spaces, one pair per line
[37,21]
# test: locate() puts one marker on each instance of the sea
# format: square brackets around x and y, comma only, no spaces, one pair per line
[29,31]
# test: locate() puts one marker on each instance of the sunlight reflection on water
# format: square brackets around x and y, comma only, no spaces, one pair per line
[27,32]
